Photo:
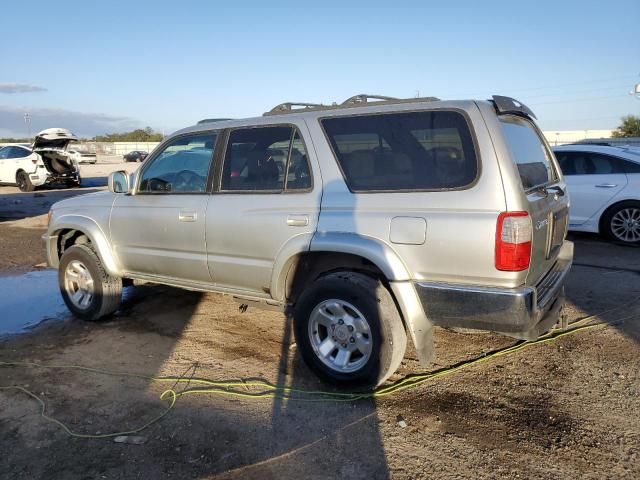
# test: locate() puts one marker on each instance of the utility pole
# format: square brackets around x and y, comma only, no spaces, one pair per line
[27,122]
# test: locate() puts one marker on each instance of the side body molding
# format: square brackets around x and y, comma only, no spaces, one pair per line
[92,230]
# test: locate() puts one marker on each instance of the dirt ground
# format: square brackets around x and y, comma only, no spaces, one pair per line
[565,409]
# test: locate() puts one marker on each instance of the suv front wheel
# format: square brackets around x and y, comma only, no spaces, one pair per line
[349,330]
[87,289]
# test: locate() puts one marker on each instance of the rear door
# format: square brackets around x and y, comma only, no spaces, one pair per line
[267,203]
[593,180]
[545,188]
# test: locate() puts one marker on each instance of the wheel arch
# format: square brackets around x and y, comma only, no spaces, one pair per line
[309,254]
[69,229]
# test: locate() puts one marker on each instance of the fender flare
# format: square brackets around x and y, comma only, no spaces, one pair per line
[95,234]
[377,252]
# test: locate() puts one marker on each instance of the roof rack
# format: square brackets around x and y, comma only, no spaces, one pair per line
[292,107]
[359,100]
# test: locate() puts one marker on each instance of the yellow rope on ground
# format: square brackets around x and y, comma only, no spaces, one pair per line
[268,390]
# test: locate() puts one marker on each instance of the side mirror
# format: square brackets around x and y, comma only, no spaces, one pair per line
[119,182]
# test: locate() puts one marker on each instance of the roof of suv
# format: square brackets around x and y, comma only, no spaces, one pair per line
[331,111]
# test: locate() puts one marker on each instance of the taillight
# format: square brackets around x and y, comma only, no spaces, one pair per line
[513,241]
[34,160]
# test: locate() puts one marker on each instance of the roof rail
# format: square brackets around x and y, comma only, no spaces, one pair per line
[355,101]
[290,107]
[364,98]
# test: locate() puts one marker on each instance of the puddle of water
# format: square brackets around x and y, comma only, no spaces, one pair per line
[28,299]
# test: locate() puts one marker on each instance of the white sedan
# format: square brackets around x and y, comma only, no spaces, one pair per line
[604,185]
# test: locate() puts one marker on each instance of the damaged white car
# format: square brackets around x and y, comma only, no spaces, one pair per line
[46,163]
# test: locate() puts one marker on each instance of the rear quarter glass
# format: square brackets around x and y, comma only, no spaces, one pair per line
[408,151]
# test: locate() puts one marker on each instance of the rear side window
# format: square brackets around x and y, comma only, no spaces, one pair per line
[591,163]
[529,152]
[404,151]
[268,159]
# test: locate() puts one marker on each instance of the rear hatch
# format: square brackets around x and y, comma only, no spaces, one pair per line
[51,144]
[544,187]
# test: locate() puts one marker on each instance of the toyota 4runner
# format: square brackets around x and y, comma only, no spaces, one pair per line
[365,222]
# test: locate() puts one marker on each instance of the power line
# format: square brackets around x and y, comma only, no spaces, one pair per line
[574,100]
[560,85]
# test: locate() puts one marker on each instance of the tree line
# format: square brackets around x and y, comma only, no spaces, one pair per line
[138,135]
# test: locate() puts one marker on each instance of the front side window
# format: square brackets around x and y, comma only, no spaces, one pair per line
[181,167]
[404,151]
[268,159]
[528,151]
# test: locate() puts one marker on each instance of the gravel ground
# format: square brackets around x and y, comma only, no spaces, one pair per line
[565,409]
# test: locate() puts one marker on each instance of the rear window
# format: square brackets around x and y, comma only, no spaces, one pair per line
[404,151]
[529,152]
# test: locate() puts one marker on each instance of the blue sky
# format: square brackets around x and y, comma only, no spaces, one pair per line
[110,66]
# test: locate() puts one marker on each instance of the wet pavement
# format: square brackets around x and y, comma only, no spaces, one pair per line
[29,299]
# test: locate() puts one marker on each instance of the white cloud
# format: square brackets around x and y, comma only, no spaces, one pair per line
[12,123]
[11,88]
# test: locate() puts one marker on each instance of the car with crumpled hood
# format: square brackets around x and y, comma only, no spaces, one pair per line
[46,163]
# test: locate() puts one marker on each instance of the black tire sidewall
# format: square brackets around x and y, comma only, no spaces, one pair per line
[28,187]
[90,260]
[366,301]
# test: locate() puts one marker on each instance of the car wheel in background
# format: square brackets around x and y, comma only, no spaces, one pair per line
[621,223]
[87,289]
[24,182]
[348,330]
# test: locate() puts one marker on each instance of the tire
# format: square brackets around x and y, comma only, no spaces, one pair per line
[24,182]
[99,301]
[621,223]
[359,316]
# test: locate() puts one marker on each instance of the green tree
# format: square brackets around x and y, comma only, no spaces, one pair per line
[139,135]
[630,127]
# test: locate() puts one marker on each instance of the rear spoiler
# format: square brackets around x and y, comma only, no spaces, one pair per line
[508,105]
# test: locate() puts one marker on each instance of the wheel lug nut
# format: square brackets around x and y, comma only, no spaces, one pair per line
[352,340]
[350,328]
[340,322]
[333,327]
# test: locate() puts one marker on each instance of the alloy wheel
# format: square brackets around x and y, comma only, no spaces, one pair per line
[340,335]
[625,225]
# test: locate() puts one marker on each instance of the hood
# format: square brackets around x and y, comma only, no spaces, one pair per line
[57,138]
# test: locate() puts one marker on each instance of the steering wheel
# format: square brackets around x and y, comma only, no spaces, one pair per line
[187,181]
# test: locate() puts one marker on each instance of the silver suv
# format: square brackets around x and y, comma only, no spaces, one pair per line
[365,222]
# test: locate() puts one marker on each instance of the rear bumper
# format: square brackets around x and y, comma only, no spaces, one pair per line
[522,312]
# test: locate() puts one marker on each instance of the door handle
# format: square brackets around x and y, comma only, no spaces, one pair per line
[185,216]
[606,185]
[298,220]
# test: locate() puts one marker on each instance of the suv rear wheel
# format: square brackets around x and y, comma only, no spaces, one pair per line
[622,223]
[348,329]
[87,289]
[24,182]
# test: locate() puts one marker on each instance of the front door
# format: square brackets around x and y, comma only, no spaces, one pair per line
[159,230]
[267,200]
